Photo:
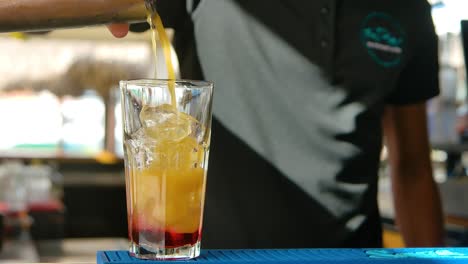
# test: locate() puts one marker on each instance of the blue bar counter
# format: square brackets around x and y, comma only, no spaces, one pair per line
[309,256]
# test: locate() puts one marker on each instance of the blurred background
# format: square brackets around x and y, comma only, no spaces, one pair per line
[61,156]
[62,186]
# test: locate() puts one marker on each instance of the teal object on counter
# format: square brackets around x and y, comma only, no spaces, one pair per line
[310,256]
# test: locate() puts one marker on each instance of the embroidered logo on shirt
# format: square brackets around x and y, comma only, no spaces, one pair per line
[384,39]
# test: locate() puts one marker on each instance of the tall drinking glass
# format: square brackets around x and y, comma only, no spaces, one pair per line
[166,159]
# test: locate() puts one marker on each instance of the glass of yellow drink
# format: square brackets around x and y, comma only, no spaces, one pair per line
[167,126]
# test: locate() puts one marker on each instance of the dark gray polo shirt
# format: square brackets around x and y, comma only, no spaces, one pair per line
[303,84]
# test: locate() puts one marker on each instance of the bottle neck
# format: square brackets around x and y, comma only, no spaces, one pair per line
[39,15]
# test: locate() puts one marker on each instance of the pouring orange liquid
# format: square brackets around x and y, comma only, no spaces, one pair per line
[157,30]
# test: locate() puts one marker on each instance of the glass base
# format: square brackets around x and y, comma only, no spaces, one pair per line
[179,253]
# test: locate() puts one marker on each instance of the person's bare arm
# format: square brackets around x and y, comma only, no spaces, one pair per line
[417,203]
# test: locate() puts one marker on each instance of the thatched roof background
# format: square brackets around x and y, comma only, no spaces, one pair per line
[68,67]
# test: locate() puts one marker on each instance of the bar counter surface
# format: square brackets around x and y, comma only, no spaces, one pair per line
[309,256]
[95,251]
[79,250]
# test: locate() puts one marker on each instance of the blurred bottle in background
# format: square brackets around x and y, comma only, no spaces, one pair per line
[27,193]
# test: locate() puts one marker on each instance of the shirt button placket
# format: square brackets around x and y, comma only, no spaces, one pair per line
[324,43]
[326,36]
[325,21]
[324,10]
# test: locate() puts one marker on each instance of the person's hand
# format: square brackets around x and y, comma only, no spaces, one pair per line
[118,30]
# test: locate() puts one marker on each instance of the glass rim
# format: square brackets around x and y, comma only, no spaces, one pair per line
[193,84]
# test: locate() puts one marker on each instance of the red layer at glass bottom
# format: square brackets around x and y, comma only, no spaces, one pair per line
[171,239]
